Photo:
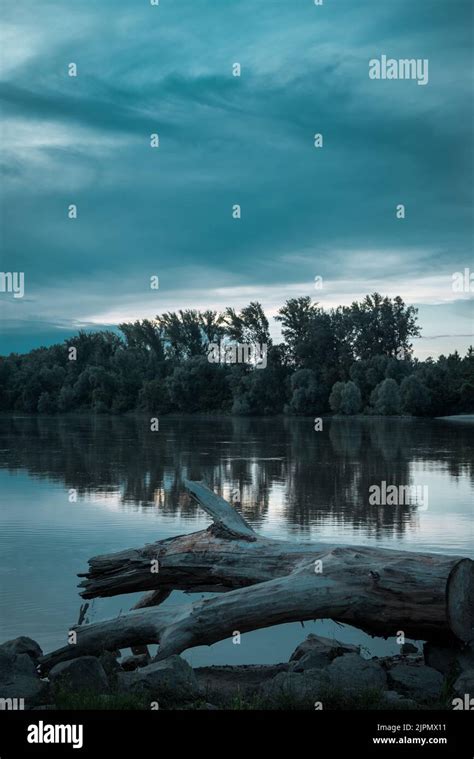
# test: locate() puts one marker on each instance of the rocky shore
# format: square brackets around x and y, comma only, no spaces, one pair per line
[322,673]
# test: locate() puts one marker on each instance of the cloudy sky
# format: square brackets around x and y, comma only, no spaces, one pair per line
[225,140]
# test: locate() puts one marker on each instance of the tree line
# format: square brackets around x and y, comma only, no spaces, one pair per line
[348,360]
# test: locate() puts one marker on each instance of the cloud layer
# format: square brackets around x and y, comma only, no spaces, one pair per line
[226,140]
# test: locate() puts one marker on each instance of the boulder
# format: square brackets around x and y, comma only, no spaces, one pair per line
[424,684]
[317,651]
[226,683]
[22,645]
[19,679]
[111,666]
[130,663]
[85,673]
[448,659]
[393,700]
[352,674]
[465,684]
[295,690]
[311,660]
[171,680]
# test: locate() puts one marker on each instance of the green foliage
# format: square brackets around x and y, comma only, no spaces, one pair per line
[345,398]
[351,399]
[341,360]
[155,397]
[385,398]
[414,396]
[250,326]
[90,700]
[332,699]
[307,396]
[46,404]
[259,391]
[198,385]
[336,397]
[380,326]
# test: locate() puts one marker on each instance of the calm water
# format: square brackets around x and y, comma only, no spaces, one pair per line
[293,483]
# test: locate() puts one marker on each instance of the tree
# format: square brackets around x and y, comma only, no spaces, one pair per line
[336,397]
[385,399]
[31,394]
[260,391]
[155,397]
[307,397]
[46,404]
[380,326]
[66,399]
[250,326]
[414,396]
[351,399]
[182,334]
[198,385]
[212,325]
[310,338]
[162,363]
[297,317]
[144,335]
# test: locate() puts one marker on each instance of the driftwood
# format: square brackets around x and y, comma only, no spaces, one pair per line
[263,582]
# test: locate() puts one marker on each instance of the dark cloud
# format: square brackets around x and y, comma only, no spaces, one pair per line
[226,140]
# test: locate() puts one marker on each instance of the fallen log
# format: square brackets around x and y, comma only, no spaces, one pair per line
[264,582]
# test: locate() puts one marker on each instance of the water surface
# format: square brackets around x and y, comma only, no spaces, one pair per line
[288,480]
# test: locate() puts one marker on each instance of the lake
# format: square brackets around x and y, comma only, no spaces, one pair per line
[288,480]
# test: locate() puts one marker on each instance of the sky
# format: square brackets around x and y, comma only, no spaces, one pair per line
[306,212]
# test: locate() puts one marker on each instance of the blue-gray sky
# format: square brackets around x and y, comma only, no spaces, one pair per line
[224,140]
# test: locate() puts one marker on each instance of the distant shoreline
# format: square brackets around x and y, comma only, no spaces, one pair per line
[468,418]
[464,418]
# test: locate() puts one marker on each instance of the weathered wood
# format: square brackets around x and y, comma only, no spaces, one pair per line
[268,582]
[227,520]
[228,555]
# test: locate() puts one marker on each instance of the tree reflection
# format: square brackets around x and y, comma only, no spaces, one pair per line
[255,462]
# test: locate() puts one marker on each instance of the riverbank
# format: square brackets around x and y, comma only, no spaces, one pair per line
[322,673]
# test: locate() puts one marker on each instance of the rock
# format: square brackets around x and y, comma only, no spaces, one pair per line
[351,674]
[224,684]
[422,683]
[408,648]
[311,660]
[448,659]
[19,679]
[317,651]
[394,700]
[85,673]
[465,684]
[292,689]
[171,680]
[22,645]
[108,659]
[133,662]
[465,659]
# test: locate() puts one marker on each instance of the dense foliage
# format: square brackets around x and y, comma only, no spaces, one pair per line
[347,360]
